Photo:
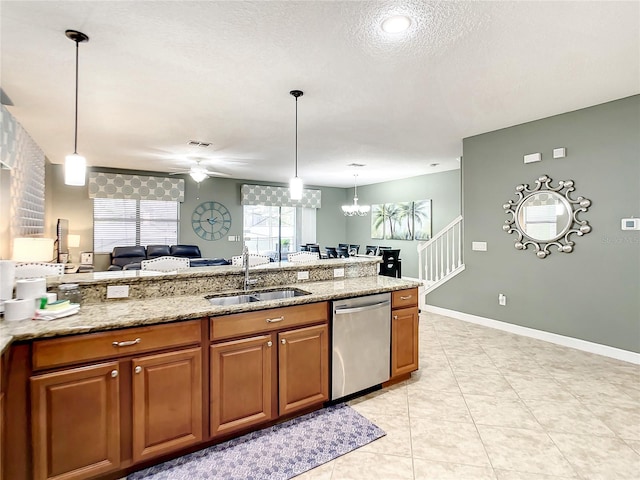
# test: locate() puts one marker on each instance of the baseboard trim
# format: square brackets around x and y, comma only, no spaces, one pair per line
[604,350]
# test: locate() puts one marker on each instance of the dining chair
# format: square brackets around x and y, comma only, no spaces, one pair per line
[165,264]
[254,260]
[303,257]
[25,270]
[331,252]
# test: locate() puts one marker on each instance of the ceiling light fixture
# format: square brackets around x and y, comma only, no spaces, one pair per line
[198,174]
[355,209]
[396,24]
[295,184]
[75,166]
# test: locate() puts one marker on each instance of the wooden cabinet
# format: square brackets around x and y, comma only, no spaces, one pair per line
[303,368]
[280,371]
[90,419]
[242,374]
[1,416]
[404,332]
[76,420]
[167,402]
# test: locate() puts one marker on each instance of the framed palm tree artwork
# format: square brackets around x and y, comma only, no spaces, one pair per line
[378,218]
[422,219]
[400,221]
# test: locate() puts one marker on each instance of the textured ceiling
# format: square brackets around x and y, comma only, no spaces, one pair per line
[155,75]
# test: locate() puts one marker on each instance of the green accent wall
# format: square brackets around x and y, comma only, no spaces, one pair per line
[591,294]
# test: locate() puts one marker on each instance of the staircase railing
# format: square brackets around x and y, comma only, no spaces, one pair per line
[440,258]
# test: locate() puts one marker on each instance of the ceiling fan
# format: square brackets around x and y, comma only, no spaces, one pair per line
[200,173]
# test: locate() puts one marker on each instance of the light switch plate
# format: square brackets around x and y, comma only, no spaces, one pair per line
[532,157]
[479,246]
[338,272]
[117,291]
[559,152]
[303,275]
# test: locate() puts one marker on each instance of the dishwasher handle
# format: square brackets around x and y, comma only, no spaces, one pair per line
[364,308]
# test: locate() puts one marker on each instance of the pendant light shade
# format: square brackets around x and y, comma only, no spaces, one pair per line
[75,166]
[355,209]
[295,184]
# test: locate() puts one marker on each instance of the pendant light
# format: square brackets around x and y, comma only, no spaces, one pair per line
[75,166]
[355,209]
[295,184]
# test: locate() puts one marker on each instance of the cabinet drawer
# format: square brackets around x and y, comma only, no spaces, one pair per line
[240,324]
[404,298]
[97,346]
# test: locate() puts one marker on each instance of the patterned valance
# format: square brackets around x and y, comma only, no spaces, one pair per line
[137,187]
[271,196]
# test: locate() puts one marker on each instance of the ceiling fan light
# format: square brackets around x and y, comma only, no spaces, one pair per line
[198,174]
[75,170]
[295,188]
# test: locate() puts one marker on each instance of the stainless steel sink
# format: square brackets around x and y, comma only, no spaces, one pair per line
[239,298]
[278,294]
[224,300]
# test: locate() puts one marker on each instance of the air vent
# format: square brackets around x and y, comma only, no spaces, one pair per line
[356,165]
[199,144]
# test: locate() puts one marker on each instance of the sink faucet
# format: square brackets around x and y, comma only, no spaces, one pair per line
[245,265]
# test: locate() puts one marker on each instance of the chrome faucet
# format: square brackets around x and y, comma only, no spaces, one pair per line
[245,265]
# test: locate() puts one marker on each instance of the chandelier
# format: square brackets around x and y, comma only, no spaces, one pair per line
[355,209]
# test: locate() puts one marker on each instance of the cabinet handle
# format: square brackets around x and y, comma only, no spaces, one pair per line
[274,320]
[269,343]
[406,298]
[283,341]
[114,373]
[128,343]
[395,317]
[138,369]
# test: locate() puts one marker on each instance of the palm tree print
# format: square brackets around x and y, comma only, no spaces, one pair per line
[422,219]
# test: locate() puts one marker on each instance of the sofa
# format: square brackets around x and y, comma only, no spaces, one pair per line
[129,258]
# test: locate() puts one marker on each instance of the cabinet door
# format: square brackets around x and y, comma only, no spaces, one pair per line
[76,422]
[303,363]
[242,376]
[1,431]
[167,402]
[404,341]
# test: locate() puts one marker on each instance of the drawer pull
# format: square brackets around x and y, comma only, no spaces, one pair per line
[275,320]
[284,342]
[406,298]
[269,343]
[138,369]
[395,317]
[114,373]
[128,343]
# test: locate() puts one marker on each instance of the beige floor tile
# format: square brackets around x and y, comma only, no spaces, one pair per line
[359,465]
[509,475]
[479,364]
[397,440]
[440,379]
[501,411]
[634,444]
[599,458]
[532,386]
[438,405]
[623,420]
[322,472]
[428,470]
[487,384]
[449,442]
[390,401]
[568,417]
[523,450]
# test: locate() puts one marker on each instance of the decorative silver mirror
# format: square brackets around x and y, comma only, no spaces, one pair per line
[545,216]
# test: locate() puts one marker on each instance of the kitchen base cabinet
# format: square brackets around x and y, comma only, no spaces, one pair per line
[241,383]
[303,368]
[76,422]
[404,332]
[167,402]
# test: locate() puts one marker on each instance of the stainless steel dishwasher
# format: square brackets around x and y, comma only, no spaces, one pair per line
[361,343]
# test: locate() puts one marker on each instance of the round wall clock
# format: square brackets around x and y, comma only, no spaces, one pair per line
[211,220]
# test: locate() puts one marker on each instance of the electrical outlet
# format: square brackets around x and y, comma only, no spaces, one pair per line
[303,275]
[502,299]
[338,272]
[117,291]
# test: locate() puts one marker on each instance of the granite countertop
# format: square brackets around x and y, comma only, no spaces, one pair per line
[129,313]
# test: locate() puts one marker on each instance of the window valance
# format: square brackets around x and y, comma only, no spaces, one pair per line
[271,196]
[136,187]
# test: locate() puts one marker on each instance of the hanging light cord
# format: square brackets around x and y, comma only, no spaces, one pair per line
[296,136]
[75,138]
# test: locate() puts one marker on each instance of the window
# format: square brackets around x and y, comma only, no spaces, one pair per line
[121,222]
[267,226]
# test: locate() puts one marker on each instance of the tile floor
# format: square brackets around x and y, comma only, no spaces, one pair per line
[487,404]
